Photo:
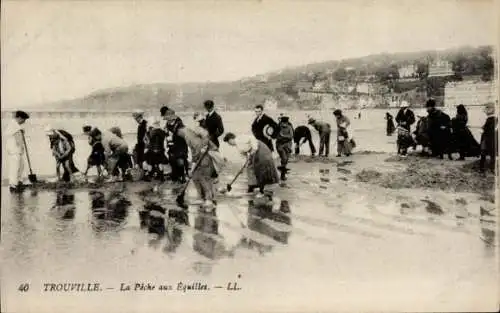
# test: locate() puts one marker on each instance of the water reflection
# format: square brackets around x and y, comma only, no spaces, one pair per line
[206,240]
[267,220]
[162,221]
[488,225]
[64,206]
[109,211]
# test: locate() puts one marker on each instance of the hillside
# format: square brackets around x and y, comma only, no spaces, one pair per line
[284,85]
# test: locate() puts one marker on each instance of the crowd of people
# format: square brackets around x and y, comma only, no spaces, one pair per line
[438,134]
[171,144]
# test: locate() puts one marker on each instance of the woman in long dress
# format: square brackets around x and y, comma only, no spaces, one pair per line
[390,124]
[463,140]
[261,170]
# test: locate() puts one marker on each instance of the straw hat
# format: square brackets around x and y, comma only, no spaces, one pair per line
[404,104]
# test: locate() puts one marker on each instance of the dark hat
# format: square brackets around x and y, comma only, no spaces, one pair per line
[229,136]
[87,128]
[337,112]
[94,132]
[209,104]
[165,109]
[431,103]
[21,114]
[284,118]
[311,120]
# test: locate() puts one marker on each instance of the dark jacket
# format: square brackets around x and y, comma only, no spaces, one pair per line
[157,138]
[489,137]
[439,129]
[142,129]
[258,127]
[215,127]
[301,132]
[285,133]
[405,119]
[322,127]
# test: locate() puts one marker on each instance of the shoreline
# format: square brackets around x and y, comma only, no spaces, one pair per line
[381,169]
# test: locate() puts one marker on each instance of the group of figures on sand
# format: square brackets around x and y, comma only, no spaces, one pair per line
[170,144]
[439,135]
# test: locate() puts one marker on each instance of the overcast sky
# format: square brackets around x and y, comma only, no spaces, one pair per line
[59,50]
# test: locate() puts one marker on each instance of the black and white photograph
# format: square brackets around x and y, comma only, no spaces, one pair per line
[249,156]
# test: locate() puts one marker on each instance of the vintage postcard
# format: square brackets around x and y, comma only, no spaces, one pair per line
[249,156]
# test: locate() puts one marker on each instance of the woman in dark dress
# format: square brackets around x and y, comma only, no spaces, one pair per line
[390,124]
[463,140]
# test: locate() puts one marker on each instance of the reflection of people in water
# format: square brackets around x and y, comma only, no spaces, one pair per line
[265,219]
[65,204]
[206,240]
[154,217]
[109,212]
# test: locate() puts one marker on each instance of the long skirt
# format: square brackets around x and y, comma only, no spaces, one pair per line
[16,168]
[465,143]
[261,169]
[390,127]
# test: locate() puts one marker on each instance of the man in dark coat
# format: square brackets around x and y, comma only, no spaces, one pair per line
[140,146]
[177,147]
[489,138]
[264,128]
[301,135]
[405,117]
[439,130]
[213,123]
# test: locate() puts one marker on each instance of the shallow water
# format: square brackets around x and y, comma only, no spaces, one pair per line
[348,246]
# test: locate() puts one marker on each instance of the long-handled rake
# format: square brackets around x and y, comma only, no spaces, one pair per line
[180,198]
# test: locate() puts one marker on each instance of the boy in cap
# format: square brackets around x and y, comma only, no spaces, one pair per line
[324,130]
[16,150]
[155,155]
[284,143]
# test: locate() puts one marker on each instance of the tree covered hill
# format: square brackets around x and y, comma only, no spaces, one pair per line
[284,85]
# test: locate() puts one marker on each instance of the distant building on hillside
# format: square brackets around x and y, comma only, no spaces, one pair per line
[409,71]
[440,68]
[271,104]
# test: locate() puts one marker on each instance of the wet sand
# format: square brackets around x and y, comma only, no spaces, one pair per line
[352,245]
